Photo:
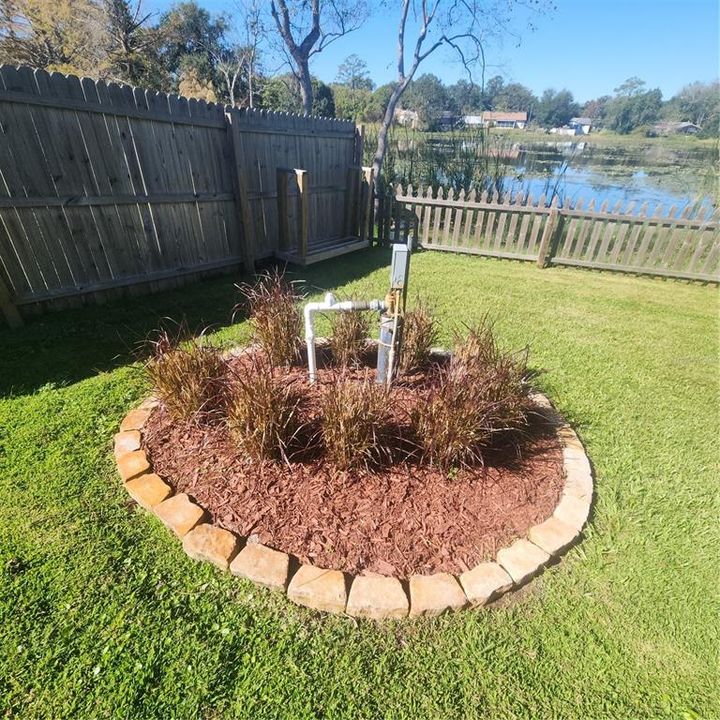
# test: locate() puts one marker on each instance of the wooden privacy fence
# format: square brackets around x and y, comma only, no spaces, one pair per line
[685,246]
[104,186]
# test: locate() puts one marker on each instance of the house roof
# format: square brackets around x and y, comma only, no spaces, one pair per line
[582,120]
[505,116]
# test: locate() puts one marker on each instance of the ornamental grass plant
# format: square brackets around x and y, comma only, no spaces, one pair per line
[273,306]
[263,413]
[481,395]
[188,377]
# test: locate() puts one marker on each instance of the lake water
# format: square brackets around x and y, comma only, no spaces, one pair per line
[654,174]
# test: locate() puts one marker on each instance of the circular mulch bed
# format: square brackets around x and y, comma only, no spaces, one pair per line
[396,521]
[383,543]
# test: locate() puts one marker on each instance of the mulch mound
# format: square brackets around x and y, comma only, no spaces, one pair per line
[396,521]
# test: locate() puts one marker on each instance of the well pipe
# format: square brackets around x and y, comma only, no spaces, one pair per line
[329,304]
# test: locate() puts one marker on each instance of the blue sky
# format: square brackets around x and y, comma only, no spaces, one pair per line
[587,46]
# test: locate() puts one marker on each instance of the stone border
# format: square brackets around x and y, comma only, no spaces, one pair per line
[366,596]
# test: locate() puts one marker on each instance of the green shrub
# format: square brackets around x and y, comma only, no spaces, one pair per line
[263,411]
[189,378]
[275,316]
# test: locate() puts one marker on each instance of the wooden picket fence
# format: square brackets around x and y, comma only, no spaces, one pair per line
[105,187]
[663,243]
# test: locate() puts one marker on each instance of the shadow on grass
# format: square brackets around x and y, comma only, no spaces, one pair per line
[67,346]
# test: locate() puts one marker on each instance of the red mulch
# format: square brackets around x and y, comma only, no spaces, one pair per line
[396,521]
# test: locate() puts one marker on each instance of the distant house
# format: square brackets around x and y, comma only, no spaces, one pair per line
[504,119]
[582,125]
[676,128]
[473,119]
[408,118]
[448,120]
[566,130]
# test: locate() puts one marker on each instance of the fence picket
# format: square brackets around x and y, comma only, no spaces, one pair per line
[424,227]
[623,228]
[571,235]
[511,240]
[647,246]
[458,218]
[538,222]
[469,218]
[523,238]
[705,241]
[447,215]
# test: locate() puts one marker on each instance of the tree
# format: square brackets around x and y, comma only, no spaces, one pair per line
[631,87]
[131,44]
[237,65]
[493,88]
[556,108]
[282,93]
[352,104]
[698,103]
[354,74]
[428,97]
[632,107]
[323,99]
[460,27]
[514,98]
[378,101]
[596,108]
[230,65]
[307,27]
[192,38]
[353,88]
[192,85]
[64,36]
[466,96]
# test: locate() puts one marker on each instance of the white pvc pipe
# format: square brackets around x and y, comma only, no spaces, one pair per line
[329,304]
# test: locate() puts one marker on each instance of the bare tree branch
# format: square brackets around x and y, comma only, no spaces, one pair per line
[307,27]
[462,27]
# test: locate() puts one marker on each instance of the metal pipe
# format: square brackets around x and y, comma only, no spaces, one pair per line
[394,342]
[329,304]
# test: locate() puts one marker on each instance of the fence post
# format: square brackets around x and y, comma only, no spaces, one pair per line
[282,206]
[547,243]
[352,191]
[242,204]
[303,182]
[367,205]
[359,147]
[10,311]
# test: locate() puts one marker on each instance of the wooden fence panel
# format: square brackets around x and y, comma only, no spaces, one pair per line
[325,148]
[105,186]
[654,243]
[483,226]
[658,243]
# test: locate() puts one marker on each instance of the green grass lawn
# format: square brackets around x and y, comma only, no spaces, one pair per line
[103,616]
